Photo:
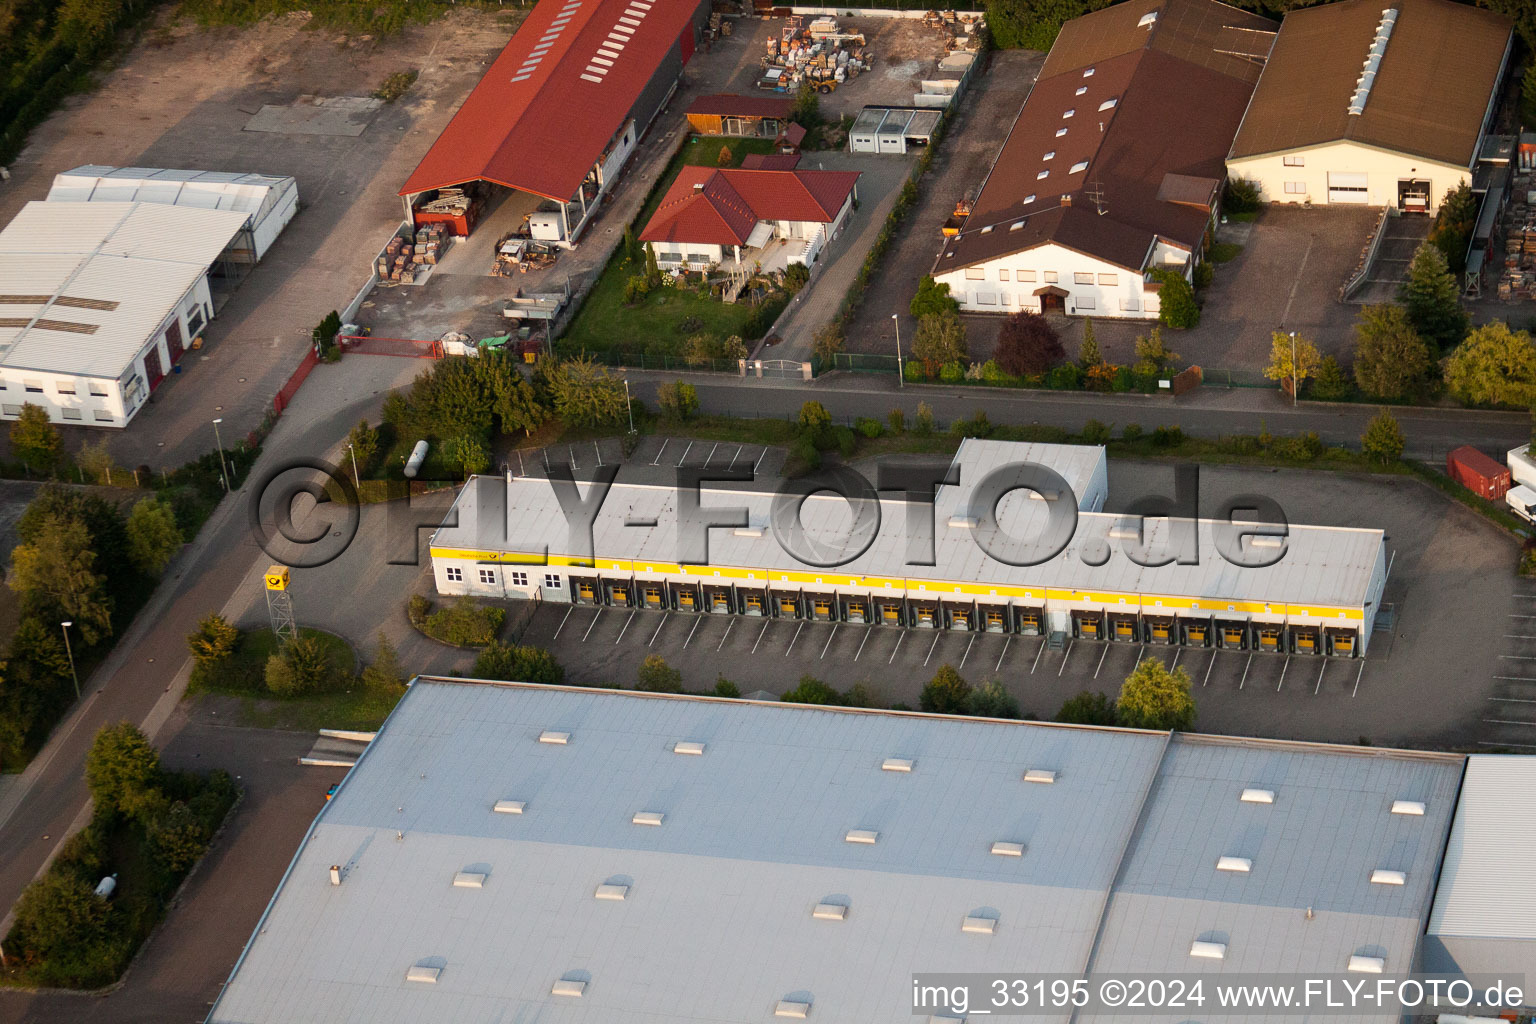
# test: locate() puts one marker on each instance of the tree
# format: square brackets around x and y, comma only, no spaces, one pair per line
[1027,345]
[177,838]
[947,694]
[467,454]
[35,440]
[214,639]
[679,400]
[656,676]
[629,246]
[814,418]
[1154,698]
[122,772]
[1528,90]
[806,110]
[1152,354]
[932,298]
[301,667]
[364,442]
[940,340]
[1429,294]
[587,395]
[94,460]
[384,674]
[1383,439]
[58,913]
[725,158]
[1454,223]
[1391,360]
[1280,348]
[1032,24]
[796,276]
[827,342]
[991,700]
[1493,366]
[1088,352]
[811,690]
[1087,708]
[54,575]
[520,663]
[1176,300]
[652,268]
[153,536]
[1331,383]
[725,688]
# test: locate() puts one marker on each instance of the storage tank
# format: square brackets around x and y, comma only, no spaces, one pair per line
[106,886]
[418,456]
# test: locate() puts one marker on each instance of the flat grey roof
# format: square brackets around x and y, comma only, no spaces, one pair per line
[716,921]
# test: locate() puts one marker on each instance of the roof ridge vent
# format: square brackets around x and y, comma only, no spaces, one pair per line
[1372,64]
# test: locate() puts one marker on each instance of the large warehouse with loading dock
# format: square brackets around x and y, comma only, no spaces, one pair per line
[559,112]
[1301,590]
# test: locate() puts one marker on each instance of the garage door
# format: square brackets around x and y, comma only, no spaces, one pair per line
[1347,188]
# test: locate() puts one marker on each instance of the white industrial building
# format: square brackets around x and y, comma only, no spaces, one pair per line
[98,301]
[1314,590]
[1376,102]
[269,202]
[510,852]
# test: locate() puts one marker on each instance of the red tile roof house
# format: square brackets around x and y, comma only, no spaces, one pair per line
[770,217]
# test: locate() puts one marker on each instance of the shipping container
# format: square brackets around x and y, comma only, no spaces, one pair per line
[1478,473]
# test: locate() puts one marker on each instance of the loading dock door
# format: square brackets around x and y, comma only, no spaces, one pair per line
[994,619]
[652,594]
[890,611]
[925,615]
[1088,625]
[1030,620]
[821,609]
[1195,632]
[1122,628]
[1231,636]
[1348,187]
[752,603]
[959,616]
[585,589]
[1305,640]
[856,609]
[685,597]
[618,592]
[717,600]
[1267,636]
[1341,642]
[1160,629]
[786,604]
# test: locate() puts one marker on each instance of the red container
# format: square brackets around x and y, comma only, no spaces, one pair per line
[1478,473]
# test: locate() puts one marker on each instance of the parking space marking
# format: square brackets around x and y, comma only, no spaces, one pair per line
[828,645]
[1176,652]
[967,653]
[562,624]
[685,453]
[1038,653]
[1064,657]
[902,636]
[1490,743]
[999,666]
[760,635]
[1316,689]
[591,624]
[730,622]
[1518,657]
[1357,680]
[735,457]
[1514,616]
[1283,669]
[936,635]
[626,628]
[656,634]
[697,619]
[1520,636]
[1139,652]
[1246,667]
[1515,700]
[867,631]
[1517,679]
[1102,656]
[795,637]
[657,459]
[1208,666]
[1508,721]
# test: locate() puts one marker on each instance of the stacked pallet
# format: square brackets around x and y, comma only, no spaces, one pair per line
[452,201]
[1517,278]
[518,255]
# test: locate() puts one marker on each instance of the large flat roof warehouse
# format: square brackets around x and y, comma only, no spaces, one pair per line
[503,851]
[88,285]
[564,87]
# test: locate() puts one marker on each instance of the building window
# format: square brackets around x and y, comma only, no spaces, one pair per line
[1002,275]
[1130,305]
[518,579]
[975,274]
[1086,302]
[1082,278]
[34,386]
[11,410]
[552,581]
[71,414]
[1024,275]
[1295,188]
[1109,279]
[454,574]
[1050,277]
[489,576]
[103,416]
[194,321]
[65,387]
[986,298]
[99,390]
[1294,161]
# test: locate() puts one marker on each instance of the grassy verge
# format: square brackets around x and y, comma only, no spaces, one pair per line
[376,17]
[1223,252]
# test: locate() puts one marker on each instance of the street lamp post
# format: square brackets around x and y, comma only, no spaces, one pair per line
[70,651]
[353,452]
[901,376]
[628,406]
[1295,385]
[220,442]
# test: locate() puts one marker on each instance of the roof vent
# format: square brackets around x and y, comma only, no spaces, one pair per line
[1080,90]
[567,987]
[1068,113]
[861,835]
[425,975]
[469,880]
[1027,200]
[509,807]
[1061,131]
[559,739]
[987,230]
[1109,104]
[688,747]
[829,912]
[1049,155]
[1411,807]
[1016,225]
[698,186]
[1043,174]
[979,925]
[1241,865]
[1147,20]
[335,874]
[1266,540]
[896,764]
[647,818]
[1258,796]
[1208,950]
[747,531]
[1005,849]
[1367,964]
[1381,876]
[1087,72]
[967,522]
[610,891]
[1081,165]
[1044,775]
[795,1008]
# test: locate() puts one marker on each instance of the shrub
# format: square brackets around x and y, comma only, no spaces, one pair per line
[923,422]
[932,297]
[1131,432]
[845,441]
[725,688]
[417,610]
[1383,439]
[914,371]
[1027,345]
[35,440]
[869,426]
[795,277]
[947,694]
[465,623]
[951,373]
[213,641]
[1087,708]
[656,676]
[384,674]
[123,773]
[1302,448]
[940,340]
[814,418]
[991,700]
[518,663]
[176,838]
[1241,195]
[59,914]
[804,450]
[811,690]
[898,421]
[678,399]
[1095,432]
[635,290]
[1167,437]
[300,667]
[1203,275]
[1176,300]
[1154,698]
[1066,377]
[1331,383]
[395,86]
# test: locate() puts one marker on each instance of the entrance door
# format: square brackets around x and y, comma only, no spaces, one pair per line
[1413,195]
[173,341]
[1053,303]
[1347,187]
[153,366]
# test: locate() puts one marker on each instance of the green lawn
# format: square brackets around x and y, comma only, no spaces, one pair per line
[669,316]
[1223,252]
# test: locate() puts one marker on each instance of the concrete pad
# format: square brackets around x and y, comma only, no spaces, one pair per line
[347,116]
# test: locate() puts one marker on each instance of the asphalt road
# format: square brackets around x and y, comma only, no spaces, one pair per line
[1208,412]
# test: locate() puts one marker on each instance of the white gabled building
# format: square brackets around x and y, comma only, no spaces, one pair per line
[1114,167]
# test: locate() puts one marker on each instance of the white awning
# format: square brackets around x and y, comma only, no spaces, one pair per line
[761,234]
